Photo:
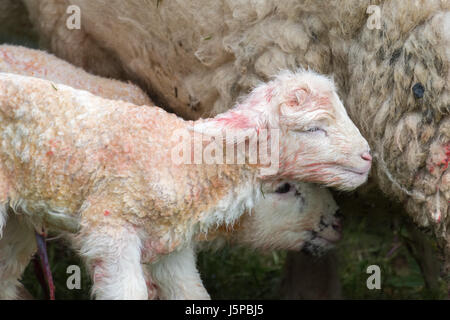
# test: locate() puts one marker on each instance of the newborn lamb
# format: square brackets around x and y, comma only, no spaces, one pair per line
[108,163]
[306,212]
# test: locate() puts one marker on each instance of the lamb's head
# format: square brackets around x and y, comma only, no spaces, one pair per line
[295,216]
[317,141]
[290,216]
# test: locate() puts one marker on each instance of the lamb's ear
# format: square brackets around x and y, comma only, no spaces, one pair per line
[299,98]
[240,124]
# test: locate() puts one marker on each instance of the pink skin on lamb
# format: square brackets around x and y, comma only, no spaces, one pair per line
[99,155]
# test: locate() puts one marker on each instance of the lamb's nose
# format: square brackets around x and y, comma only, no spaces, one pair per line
[337,225]
[366,156]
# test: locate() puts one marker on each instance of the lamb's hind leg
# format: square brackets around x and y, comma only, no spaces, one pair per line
[113,256]
[17,246]
[177,278]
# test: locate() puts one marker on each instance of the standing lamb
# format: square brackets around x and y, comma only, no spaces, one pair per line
[305,213]
[108,163]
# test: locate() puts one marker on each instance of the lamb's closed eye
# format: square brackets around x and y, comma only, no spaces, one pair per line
[315,129]
[311,129]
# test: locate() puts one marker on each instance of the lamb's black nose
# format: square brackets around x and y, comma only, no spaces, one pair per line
[337,225]
[338,214]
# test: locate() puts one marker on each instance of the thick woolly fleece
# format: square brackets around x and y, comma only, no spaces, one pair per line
[197,57]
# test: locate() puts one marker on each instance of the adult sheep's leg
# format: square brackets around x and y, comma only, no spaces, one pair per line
[17,246]
[113,255]
[177,277]
[307,277]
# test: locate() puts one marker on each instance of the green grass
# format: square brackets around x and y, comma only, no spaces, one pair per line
[401,277]
[239,273]
[60,258]
[376,235]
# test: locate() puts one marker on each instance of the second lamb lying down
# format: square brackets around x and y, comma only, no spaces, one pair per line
[108,163]
[290,216]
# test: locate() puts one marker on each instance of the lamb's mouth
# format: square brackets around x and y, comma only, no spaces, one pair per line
[360,172]
[332,241]
[327,240]
[316,249]
[318,244]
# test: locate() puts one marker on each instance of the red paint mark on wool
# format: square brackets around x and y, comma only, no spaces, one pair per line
[442,161]
[314,164]
[49,153]
[269,94]
[106,213]
[445,161]
[235,120]
[7,56]
[322,100]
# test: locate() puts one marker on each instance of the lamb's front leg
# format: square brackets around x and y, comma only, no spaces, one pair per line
[177,277]
[113,255]
[17,246]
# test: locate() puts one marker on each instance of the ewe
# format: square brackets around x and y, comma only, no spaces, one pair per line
[109,164]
